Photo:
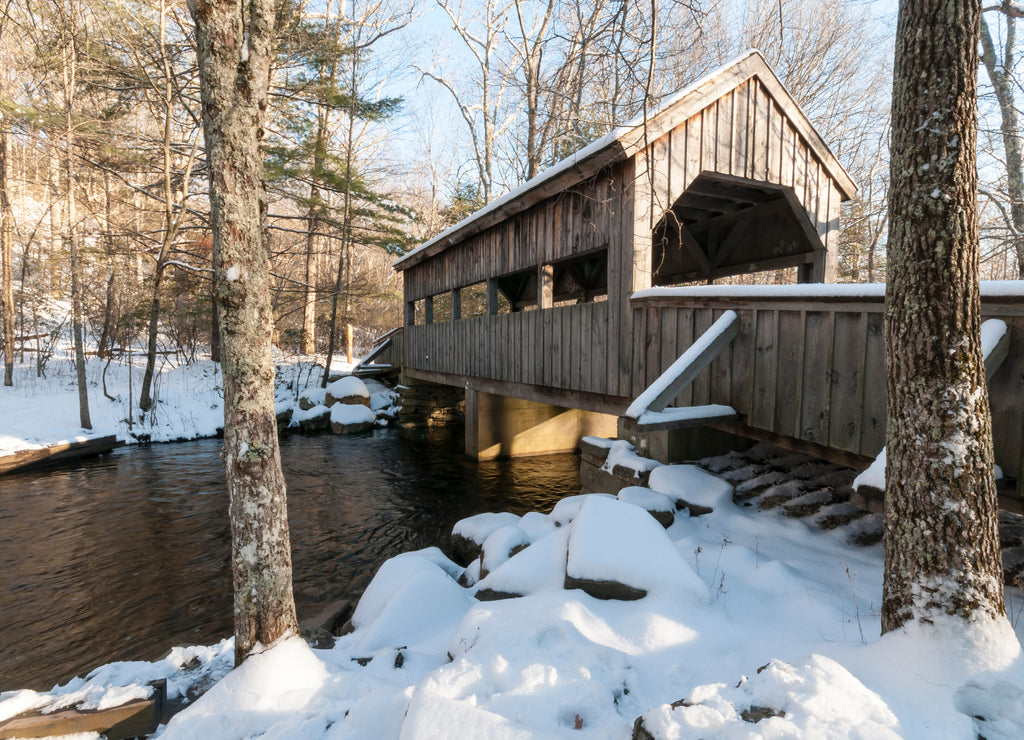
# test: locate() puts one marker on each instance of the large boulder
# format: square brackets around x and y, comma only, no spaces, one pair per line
[348,390]
[316,419]
[468,534]
[500,545]
[617,551]
[351,418]
[658,505]
[312,397]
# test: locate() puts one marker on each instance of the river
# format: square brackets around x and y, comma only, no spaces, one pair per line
[124,556]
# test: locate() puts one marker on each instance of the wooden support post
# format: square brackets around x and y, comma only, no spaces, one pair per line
[456,304]
[492,296]
[348,342]
[428,310]
[545,286]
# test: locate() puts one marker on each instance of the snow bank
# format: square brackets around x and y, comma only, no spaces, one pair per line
[816,699]
[621,453]
[266,688]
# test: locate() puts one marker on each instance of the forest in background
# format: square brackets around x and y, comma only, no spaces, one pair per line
[389,121]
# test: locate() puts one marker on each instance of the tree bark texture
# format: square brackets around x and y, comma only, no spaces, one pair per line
[941,543]
[6,252]
[234,40]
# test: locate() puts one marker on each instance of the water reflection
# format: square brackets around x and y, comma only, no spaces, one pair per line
[121,557]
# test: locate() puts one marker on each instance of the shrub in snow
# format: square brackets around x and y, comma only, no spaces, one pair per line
[617,551]
[500,545]
[819,698]
[468,534]
[349,389]
[691,487]
[350,418]
[658,505]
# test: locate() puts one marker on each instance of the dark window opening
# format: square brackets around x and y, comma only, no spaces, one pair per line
[519,289]
[581,279]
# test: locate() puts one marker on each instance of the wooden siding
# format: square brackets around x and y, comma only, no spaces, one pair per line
[811,370]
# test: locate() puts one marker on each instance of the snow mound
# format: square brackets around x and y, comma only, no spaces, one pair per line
[690,484]
[646,499]
[997,708]
[422,615]
[393,575]
[348,385]
[616,544]
[816,699]
[567,509]
[432,716]
[536,525]
[266,689]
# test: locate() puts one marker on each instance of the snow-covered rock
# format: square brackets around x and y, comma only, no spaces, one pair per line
[500,545]
[617,551]
[350,418]
[315,419]
[348,389]
[691,487]
[567,509]
[315,396]
[658,505]
[539,567]
[468,534]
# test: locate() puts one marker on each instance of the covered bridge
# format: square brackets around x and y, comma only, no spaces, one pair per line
[539,305]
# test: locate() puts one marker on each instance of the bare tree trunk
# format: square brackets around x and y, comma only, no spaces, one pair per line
[170,225]
[106,340]
[313,226]
[941,541]
[346,238]
[234,40]
[997,70]
[69,73]
[6,252]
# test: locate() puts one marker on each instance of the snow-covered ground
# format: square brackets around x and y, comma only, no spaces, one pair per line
[746,615]
[40,411]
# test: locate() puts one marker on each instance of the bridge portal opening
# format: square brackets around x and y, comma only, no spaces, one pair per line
[724,225]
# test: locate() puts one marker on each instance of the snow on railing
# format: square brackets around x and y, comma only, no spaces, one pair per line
[649,408]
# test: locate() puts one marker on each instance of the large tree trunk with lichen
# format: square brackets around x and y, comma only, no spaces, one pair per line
[941,541]
[234,39]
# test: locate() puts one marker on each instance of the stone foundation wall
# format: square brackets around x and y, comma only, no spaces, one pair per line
[430,404]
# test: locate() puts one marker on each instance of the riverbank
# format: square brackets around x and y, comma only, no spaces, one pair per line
[40,411]
[748,624]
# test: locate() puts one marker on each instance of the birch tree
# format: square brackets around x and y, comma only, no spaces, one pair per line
[234,40]
[941,542]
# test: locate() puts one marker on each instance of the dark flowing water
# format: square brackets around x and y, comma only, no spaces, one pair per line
[125,556]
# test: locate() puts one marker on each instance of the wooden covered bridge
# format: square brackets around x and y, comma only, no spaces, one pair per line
[555,308]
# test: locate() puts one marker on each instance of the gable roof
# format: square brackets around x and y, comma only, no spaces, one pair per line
[626,140]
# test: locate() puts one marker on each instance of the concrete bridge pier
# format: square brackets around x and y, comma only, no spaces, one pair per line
[500,426]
